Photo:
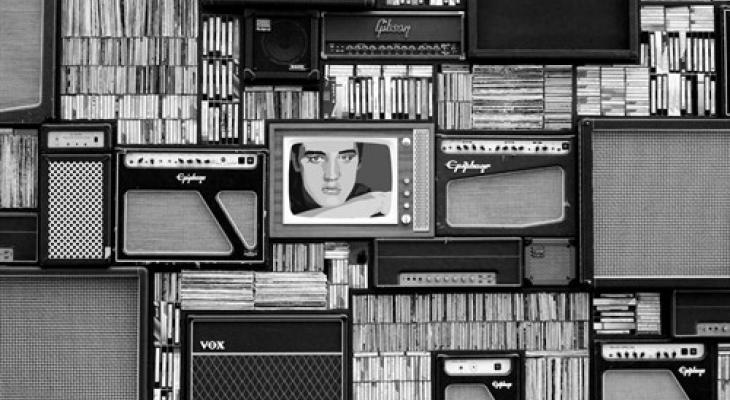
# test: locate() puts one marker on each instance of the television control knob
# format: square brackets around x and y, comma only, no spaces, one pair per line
[405,219]
[407,181]
[406,141]
[406,193]
[406,205]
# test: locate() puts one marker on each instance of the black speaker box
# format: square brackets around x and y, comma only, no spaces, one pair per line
[281,45]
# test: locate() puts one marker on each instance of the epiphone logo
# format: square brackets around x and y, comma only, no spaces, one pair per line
[186,178]
[501,385]
[466,166]
[386,25]
[689,371]
[213,344]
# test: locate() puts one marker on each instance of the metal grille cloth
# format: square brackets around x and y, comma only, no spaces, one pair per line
[267,377]
[661,203]
[75,210]
[69,337]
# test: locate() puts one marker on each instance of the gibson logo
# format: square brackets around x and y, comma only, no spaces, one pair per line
[687,372]
[386,25]
[213,344]
[466,166]
[501,385]
[185,178]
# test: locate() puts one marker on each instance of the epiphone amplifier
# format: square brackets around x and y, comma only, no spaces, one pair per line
[73,334]
[281,44]
[196,206]
[448,262]
[654,371]
[466,375]
[268,356]
[655,208]
[76,181]
[18,238]
[700,313]
[393,35]
[506,185]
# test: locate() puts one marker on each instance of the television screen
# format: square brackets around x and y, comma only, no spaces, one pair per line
[350,179]
[340,180]
[565,29]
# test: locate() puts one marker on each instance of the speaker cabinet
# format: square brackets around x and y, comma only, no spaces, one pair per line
[655,206]
[268,356]
[472,375]
[73,334]
[281,45]
[75,175]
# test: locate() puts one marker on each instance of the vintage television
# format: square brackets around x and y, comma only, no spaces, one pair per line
[591,30]
[358,179]
[73,333]
[277,356]
[190,206]
[654,208]
[477,375]
[27,60]
[654,370]
[701,313]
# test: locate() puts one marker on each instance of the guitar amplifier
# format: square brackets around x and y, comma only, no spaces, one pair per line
[75,175]
[473,375]
[268,356]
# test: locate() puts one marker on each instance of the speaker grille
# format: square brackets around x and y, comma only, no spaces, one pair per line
[661,203]
[641,385]
[75,210]
[523,198]
[267,377]
[241,209]
[69,337]
[21,53]
[422,176]
[467,391]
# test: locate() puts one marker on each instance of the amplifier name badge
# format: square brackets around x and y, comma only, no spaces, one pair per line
[501,385]
[386,25]
[464,166]
[213,344]
[186,178]
[689,371]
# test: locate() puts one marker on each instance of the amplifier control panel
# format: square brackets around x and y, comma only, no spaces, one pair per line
[395,49]
[717,329]
[509,147]
[653,352]
[478,367]
[75,139]
[190,160]
[437,279]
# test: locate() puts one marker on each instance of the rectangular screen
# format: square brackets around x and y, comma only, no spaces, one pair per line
[358,179]
[565,29]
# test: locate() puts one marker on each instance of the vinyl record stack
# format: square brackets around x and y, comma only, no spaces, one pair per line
[167,332]
[275,102]
[627,314]
[18,168]
[217,290]
[133,61]
[283,290]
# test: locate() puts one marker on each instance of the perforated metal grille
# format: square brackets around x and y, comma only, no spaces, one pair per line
[422,177]
[68,337]
[267,377]
[661,203]
[75,210]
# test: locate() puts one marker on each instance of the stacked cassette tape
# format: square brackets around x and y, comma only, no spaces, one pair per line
[627,313]
[167,336]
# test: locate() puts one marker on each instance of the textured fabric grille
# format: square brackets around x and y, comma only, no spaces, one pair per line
[641,385]
[661,203]
[267,377]
[521,198]
[69,338]
[240,208]
[461,391]
[75,210]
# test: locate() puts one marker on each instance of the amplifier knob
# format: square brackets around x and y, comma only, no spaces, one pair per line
[373,48]
[405,219]
[412,48]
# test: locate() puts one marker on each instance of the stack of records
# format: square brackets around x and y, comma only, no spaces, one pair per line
[652,18]
[613,91]
[298,257]
[217,290]
[284,290]
[701,18]
[558,96]
[589,90]
[338,257]
[508,96]
[637,91]
[627,313]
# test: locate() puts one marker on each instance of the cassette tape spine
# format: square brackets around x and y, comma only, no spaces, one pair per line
[133,61]
[262,102]
[627,313]
[557,375]
[166,341]
[723,371]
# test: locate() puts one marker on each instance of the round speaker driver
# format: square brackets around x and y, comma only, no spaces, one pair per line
[287,42]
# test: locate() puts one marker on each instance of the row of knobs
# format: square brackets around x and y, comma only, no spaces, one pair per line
[657,355]
[474,147]
[401,49]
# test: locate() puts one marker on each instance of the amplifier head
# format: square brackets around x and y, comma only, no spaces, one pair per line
[76,181]
[274,356]
[364,179]
[654,202]
[190,206]
[506,185]
[73,335]
[281,45]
